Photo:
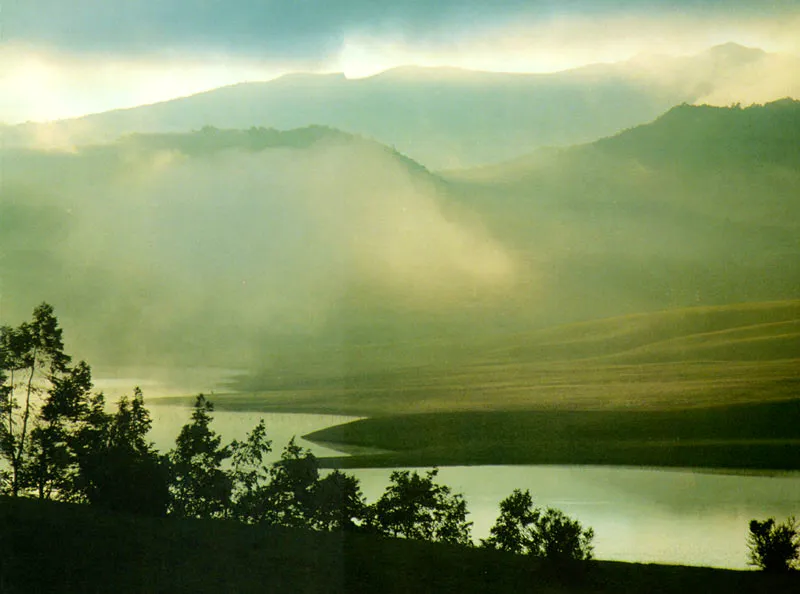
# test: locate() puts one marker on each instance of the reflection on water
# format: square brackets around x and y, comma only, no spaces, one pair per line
[645,515]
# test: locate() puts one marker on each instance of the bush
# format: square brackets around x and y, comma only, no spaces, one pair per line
[774,547]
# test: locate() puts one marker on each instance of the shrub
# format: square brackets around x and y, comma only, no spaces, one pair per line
[774,547]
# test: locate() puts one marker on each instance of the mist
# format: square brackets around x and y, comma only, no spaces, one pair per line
[202,258]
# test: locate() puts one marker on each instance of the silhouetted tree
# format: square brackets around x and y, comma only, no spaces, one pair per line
[512,530]
[414,506]
[51,461]
[250,475]
[199,486]
[289,495]
[119,468]
[774,547]
[6,410]
[549,534]
[558,537]
[338,503]
[41,397]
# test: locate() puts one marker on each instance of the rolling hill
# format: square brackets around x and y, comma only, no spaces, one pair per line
[675,359]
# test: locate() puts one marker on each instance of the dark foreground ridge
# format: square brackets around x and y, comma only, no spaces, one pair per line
[57,547]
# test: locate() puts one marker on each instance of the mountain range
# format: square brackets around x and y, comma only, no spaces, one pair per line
[451,118]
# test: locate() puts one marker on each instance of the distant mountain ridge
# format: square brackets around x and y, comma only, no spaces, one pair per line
[440,117]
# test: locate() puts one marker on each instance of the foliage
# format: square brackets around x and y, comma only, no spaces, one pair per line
[51,459]
[199,486]
[119,468]
[549,534]
[415,507]
[774,547]
[557,537]
[41,401]
[338,503]
[250,474]
[511,531]
[289,495]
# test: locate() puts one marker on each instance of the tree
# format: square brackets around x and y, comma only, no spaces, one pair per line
[414,506]
[548,534]
[512,530]
[338,502]
[250,474]
[558,537]
[51,460]
[199,486]
[119,468]
[288,499]
[40,397]
[774,547]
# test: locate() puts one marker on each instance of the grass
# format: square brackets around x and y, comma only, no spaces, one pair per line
[705,386]
[759,436]
[520,386]
[49,547]
[695,357]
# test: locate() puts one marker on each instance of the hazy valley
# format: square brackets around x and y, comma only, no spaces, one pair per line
[582,284]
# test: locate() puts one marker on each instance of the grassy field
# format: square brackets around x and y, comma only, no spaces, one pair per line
[518,386]
[710,386]
[696,357]
[48,547]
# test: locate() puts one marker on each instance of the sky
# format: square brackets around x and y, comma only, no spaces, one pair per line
[64,58]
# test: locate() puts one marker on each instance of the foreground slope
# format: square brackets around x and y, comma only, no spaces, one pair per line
[66,548]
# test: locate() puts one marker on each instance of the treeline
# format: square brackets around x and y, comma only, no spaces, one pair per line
[59,441]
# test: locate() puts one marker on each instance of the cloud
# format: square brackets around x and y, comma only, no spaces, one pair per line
[307,30]
[65,58]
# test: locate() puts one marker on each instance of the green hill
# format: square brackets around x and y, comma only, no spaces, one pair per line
[751,331]
[318,256]
[705,136]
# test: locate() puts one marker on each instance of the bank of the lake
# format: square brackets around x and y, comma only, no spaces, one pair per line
[51,547]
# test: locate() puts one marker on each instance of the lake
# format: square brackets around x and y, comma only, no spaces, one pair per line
[646,515]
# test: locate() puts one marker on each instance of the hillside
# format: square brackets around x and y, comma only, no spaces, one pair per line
[315,255]
[705,136]
[68,548]
[671,360]
[748,332]
[698,208]
[447,117]
[223,245]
